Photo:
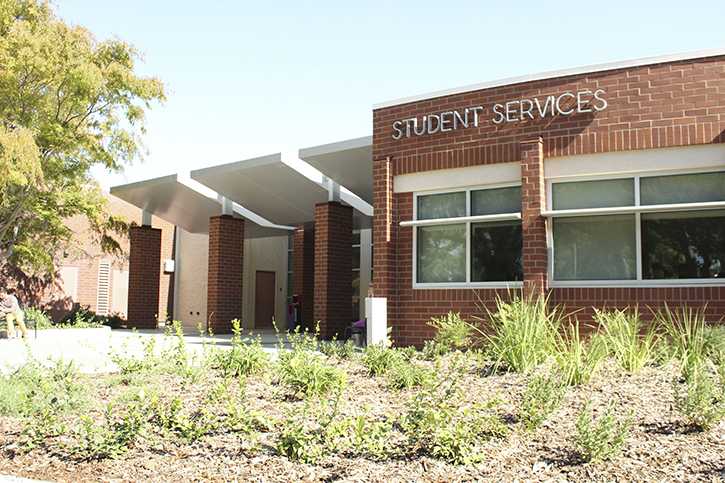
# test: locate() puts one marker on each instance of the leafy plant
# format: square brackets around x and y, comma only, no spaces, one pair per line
[700,397]
[578,359]
[452,332]
[602,438]
[307,375]
[378,359]
[523,333]
[436,423]
[39,318]
[190,427]
[334,348]
[685,332]
[113,436]
[405,375]
[246,356]
[542,397]
[632,345]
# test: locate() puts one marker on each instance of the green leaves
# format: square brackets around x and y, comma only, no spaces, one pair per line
[68,102]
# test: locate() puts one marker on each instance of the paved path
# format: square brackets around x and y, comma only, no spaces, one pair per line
[90,349]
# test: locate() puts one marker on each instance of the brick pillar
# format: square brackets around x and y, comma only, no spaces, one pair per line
[303,271]
[224,287]
[384,236]
[144,268]
[533,225]
[333,267]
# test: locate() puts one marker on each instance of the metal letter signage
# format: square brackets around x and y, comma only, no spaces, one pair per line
[565,104]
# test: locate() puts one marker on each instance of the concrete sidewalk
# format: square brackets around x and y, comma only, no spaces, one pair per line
[91,349]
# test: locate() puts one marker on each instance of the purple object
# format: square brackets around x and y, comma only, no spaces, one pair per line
[360,324]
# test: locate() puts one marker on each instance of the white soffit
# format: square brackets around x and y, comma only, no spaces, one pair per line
[349,163]
[180,202]
[587,69]
[266,186]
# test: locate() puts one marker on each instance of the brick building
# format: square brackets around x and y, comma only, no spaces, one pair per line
[90,279]
[600,186]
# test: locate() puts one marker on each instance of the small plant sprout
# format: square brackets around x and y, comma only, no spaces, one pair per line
[602,438]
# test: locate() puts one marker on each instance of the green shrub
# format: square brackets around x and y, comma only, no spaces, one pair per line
[542,397]
[37,318]
[378,359]
[601,439]
[715,344]
[334,348]
[112,437]
[626,339]
[522,333]
[35,389]
[700,397]
[306,375]
[685,333]
[577,359]
[302,340]
[190,427]
[405,375]
[246,356]
[436,424]
[452,332]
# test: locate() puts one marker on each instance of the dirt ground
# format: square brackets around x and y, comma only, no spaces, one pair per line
[660,447]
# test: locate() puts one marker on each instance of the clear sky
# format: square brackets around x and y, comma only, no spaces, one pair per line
[252,78]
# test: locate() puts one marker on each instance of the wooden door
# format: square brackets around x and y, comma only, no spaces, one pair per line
[264,300]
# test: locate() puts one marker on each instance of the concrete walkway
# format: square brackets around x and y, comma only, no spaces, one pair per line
[91,349]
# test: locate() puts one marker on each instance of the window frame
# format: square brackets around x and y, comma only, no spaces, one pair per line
[467,220]
[636,211]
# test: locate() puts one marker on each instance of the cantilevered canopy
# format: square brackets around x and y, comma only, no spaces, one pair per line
[276,189]
[185,203]
[349,163]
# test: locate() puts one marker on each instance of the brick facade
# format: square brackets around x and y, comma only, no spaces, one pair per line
[333,267]
[143,277]
[662,105]
[303,271]
[226,257]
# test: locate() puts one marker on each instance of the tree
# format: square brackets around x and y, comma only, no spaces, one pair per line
[68,102]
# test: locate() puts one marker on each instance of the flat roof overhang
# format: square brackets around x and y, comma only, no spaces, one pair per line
[349,163]
[184,203]
[277,189]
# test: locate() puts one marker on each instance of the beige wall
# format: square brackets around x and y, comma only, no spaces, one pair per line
[267,254]
[191,279]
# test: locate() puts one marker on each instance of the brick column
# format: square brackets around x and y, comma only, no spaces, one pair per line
[384,230]
[224,287]
[533,225]
[144,268]
[333,267]
[303,271]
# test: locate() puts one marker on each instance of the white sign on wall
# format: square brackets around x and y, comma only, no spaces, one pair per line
[565,104]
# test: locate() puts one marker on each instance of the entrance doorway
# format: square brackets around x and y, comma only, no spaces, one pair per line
[264,300]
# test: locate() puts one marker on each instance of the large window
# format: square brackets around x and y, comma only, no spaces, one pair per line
[641,228]
[468,237]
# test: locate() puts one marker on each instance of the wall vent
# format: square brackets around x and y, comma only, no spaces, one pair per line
[103,289]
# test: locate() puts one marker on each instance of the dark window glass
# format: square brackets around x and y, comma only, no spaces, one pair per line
[595,248]
[355,257]
[683,245]
[445,205]
[495,201]
[355,295]
[496,251]
[441,254]
[682,188]
[356,238]
[593,194]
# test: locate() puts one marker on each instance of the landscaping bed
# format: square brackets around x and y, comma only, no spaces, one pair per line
[443,414]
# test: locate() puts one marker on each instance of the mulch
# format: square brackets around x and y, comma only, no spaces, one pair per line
[660,446]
